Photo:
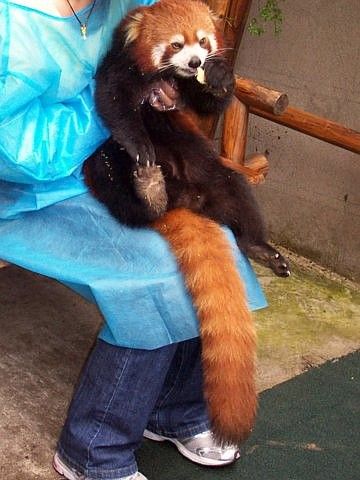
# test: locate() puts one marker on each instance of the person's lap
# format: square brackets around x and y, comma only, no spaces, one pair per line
[130,274]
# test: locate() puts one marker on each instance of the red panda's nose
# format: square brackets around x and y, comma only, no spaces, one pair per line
[194,62]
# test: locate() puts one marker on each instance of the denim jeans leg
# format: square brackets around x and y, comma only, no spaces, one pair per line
[111,407]
[181,410]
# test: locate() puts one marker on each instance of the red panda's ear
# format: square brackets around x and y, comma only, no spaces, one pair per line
[216,19]
[133,26]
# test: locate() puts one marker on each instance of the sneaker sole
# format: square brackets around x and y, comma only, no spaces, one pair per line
[69,474]
[64,470]
[209,462]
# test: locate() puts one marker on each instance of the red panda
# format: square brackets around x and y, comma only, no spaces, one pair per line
[158,170]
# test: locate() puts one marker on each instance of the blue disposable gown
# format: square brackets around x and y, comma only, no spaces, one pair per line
[49,223]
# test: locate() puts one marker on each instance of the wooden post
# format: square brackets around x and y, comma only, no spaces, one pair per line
[235,126]
[248,93]
[314,126]
[255,174]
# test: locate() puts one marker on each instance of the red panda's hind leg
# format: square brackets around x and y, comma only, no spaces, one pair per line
[149,184]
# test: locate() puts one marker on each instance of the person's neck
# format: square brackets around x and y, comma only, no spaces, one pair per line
[63,8]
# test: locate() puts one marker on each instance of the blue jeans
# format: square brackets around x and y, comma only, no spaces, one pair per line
[121,392]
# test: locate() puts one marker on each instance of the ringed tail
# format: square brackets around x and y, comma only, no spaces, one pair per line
[227,329]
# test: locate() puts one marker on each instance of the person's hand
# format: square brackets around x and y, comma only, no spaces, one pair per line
[164,96]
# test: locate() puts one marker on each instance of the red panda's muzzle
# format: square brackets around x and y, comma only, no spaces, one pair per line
[194,63]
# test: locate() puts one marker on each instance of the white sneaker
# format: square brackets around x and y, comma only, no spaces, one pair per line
[72,474]
[201,448]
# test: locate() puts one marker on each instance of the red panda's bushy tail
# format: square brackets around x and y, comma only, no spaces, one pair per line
[226,327]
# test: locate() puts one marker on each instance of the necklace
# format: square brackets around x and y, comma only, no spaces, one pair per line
[83,25]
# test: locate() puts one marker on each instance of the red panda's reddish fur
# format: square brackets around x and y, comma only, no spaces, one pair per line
[226,325]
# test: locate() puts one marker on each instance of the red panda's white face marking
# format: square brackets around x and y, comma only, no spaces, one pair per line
[158,53]
[188,59]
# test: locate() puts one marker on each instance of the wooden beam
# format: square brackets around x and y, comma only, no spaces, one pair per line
[253,176]
[258,162]
[314,126]
[256,95]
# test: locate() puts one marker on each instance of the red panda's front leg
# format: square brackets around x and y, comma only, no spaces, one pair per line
[219,79]
[120,95]
[214,95]
[129,132]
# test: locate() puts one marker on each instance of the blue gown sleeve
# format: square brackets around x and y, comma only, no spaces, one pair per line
[42,137]
[39,142]
[48,122]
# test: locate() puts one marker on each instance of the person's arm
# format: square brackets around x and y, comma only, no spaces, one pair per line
[40,142]
[42,137]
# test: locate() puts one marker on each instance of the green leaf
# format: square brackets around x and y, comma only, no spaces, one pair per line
[269,12]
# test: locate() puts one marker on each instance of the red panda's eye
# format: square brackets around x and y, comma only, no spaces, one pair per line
[177,45]
[203,42]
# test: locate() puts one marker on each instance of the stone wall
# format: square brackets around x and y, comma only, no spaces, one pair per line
[311,198]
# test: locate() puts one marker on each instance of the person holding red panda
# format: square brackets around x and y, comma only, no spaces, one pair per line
[144,371]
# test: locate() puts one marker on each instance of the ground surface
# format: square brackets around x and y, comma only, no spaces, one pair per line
[308,428]
[313,316]
[47,331]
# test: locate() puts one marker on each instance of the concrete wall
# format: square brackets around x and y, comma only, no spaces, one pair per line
[311,198]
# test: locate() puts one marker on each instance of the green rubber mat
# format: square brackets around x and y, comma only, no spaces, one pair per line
[307,429]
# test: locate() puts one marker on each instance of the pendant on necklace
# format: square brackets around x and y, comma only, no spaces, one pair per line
[83,30]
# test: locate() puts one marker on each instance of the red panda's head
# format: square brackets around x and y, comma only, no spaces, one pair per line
[172,35]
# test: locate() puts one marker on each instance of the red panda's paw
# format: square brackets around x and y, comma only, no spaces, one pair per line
[268,256]
[139,147]
[149,185]
[219,77]
[279,265]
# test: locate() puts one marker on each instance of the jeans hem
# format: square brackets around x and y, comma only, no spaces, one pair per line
[96,473]
[182,432]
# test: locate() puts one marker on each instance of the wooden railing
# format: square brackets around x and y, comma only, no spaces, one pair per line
[254,98]
[318,127]
[251,97]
